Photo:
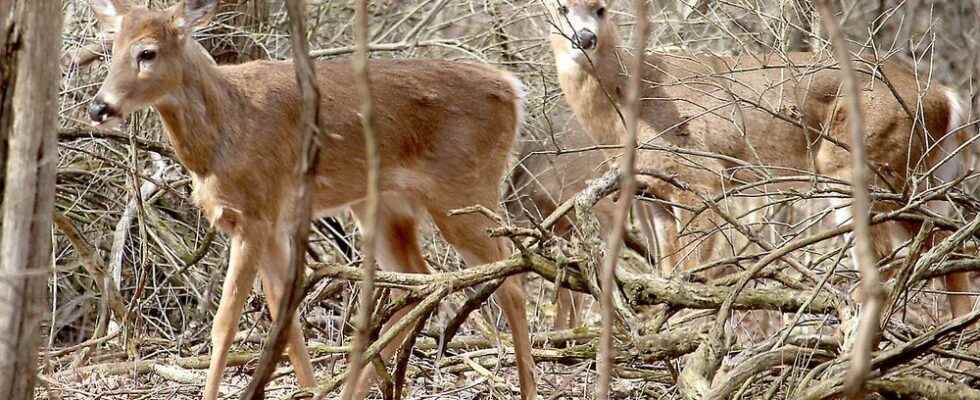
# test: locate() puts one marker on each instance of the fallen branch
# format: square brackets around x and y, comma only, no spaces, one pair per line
[639,289]
[908,386]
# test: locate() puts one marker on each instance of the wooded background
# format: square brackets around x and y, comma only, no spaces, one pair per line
[132,285]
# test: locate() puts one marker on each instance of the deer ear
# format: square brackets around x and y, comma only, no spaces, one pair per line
[191,14]
[109,13]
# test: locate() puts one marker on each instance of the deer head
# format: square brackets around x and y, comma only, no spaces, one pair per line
[580,28]
[151,51]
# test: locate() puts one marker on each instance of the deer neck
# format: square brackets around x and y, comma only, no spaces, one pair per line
[596,91]
[195,115]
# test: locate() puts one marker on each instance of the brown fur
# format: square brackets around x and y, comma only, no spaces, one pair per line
[445,130]
[709,104]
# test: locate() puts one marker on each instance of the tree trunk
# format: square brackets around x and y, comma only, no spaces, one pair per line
[30,33]
[8,61]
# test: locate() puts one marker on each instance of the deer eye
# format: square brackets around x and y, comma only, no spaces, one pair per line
[601,12]
[562,10]
[146,55]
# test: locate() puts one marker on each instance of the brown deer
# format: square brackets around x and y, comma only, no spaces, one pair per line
[728,120]
[445,131]
[541,182]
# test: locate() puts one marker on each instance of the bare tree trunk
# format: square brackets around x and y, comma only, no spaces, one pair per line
[8,65]
[30,32]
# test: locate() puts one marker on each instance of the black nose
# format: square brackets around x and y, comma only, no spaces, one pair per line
[585,39]
[98,110]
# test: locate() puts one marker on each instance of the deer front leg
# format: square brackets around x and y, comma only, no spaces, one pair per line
[237,286]
[275,275]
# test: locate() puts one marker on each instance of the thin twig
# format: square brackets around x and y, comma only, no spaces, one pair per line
[871,291]
[628,187]
[369,223]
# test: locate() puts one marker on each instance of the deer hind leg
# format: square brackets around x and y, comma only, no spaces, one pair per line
[882,242]
[274,273]
[567,302]
[236,288]
[648,242]
[467,233]
[568,307]
[956,284]
[664,223]
[396,249]
[960,304]
[881,246]
[696,237]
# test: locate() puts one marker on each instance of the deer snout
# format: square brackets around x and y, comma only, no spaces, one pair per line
[100,111]
[585,39]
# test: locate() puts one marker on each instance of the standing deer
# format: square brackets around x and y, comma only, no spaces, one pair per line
[780,114]
[445,131]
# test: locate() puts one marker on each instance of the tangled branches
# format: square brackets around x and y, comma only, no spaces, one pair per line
[134,284]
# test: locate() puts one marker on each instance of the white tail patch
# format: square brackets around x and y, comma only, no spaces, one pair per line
[953,140]
[520,92]
[953,143]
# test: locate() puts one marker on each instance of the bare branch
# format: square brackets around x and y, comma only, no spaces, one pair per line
[871,291]
[628,187]
[369,223]
[302,205]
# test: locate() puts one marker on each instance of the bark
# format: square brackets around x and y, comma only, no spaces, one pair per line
[8,64]
[31,33]
[913,387]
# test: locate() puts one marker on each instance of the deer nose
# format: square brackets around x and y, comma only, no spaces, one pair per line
[585,39]
[99,110]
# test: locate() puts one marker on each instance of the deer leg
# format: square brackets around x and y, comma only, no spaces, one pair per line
[567,309]
[565,299]
[955,283]
[665,228]
[397,249]
[511,298]
[644,216]
[274,272]
[467,233]
[959,304]
[695,246]
[236,288]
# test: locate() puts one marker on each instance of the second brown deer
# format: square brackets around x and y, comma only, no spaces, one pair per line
[715,121]
[445,131]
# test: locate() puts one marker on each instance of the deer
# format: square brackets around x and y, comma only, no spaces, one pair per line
[445,131]
[716,121]
[540,182]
